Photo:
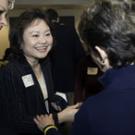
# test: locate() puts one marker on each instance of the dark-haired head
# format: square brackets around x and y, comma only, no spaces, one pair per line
[110,28]
[52,15]
[27,18]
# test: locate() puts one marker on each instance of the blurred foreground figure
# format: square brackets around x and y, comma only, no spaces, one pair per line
[5,6]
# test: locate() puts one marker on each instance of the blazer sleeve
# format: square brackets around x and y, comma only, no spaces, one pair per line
[81,125]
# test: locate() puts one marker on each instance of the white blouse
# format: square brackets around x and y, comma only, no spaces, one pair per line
[42,84]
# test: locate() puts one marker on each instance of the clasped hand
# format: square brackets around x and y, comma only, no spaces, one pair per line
[67,115]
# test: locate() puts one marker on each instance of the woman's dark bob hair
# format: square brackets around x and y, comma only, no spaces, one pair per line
[22,22]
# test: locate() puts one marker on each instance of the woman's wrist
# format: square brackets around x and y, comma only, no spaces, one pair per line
[48,128]
[61,117]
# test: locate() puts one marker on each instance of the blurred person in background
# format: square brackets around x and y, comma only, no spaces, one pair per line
[65,55]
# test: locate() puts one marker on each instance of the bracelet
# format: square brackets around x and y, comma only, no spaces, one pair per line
[45,129]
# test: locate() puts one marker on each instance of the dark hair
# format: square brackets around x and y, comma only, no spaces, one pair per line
[52,14]
[109,27]
[22,22]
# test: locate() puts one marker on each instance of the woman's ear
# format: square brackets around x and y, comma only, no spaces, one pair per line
[102,60]
[102,54]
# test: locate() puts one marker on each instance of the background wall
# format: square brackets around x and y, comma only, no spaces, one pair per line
[3,41]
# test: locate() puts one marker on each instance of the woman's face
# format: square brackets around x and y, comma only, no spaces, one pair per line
[3,13]
[37,40]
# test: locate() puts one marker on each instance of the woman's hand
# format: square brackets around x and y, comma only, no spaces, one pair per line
[43,121]
[68,114]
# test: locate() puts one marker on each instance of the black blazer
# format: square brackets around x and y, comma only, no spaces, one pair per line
[21,103]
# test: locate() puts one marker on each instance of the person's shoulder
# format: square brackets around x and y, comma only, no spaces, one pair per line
[7,66]
[5,70]
[95,100]
[3,63]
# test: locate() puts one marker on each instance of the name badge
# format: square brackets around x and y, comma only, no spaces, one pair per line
[27,80]
[92,70]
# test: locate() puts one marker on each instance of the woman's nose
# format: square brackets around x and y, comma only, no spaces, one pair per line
[43,39]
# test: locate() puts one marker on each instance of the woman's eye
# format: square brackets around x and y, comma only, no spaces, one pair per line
[48,34]
[36,35]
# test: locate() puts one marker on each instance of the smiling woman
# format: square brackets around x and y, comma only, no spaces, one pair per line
[27,79]
[37,41]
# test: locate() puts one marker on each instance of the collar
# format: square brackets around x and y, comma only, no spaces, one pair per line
[121,78]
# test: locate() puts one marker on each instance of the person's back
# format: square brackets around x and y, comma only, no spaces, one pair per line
[65,54]
[109,33]
[110,112]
